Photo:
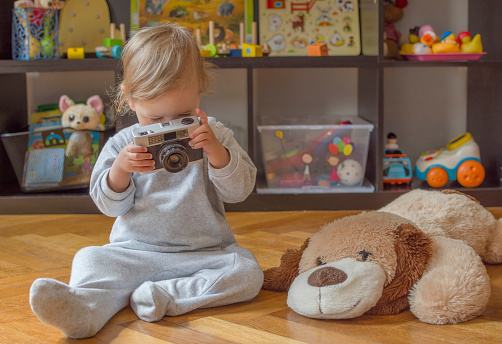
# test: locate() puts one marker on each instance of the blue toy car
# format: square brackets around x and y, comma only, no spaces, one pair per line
[396,167]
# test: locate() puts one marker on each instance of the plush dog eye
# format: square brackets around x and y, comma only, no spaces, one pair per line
[320,262]
[364,254]
[86,119]
[71,118]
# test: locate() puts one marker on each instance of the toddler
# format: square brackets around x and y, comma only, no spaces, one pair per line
[171,250]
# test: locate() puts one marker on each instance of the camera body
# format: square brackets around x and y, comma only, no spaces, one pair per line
[168,143]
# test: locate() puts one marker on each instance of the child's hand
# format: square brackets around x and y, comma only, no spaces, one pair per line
[131,158]
[203,137]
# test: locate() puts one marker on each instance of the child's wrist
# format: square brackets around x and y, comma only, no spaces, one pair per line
[219,158]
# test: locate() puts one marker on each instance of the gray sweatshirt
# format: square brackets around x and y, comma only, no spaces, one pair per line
[174,212]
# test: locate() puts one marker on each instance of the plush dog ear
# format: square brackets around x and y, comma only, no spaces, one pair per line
[413,250]
[280,278]
[96,103]
[65,102]
[449,192]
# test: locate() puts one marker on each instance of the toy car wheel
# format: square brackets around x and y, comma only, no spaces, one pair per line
[470,173]
[117,51]
[99,55]
[437,177]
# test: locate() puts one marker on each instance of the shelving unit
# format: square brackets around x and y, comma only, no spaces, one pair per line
[483,116]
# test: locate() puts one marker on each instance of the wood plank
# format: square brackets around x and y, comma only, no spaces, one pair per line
[301,332]
[236,333]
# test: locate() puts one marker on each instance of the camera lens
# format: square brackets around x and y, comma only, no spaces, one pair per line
[174,158]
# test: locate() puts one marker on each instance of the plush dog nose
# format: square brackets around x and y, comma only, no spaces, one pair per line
[326,276]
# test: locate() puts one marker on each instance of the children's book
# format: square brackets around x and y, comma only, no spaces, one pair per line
[289,26]
[196,14]
[47,166]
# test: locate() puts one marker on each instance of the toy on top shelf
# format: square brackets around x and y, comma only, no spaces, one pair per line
[473,46]
[210,49]
[46,4]
[75,53]
[448,44]
[35,31]
[112,47]
[396,165]
[392,13]
[318,49]
[448,47]
[253,49]
[460,160]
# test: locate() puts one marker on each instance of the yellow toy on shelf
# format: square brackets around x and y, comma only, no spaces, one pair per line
[472,46]
[448,44]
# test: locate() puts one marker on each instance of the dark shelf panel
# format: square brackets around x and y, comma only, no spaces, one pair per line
[57,65]
[81,203]
[91,64]
[361,61]
[295,62]
[426,64]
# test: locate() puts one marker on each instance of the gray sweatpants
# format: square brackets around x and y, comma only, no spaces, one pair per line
[105,279]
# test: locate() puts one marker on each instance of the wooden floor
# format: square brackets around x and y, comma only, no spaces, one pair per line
[36,246]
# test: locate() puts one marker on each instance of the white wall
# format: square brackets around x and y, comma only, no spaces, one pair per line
[425,107]
[228,102]
[305,92]
[46,88]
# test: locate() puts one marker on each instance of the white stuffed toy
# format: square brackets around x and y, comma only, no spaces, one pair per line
[82,118]
[423,251]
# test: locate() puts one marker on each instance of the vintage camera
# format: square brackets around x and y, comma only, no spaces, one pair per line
[168,143]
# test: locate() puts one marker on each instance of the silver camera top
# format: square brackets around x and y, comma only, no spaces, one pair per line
[158,133]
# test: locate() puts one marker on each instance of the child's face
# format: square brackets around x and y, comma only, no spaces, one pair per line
[171,105]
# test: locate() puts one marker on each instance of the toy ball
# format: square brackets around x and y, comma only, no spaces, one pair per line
[350,172]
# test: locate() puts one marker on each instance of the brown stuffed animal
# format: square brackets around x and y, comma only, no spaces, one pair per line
[421,251]
[392,13]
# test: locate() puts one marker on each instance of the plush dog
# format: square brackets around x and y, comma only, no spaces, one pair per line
[423,251]
[82,117]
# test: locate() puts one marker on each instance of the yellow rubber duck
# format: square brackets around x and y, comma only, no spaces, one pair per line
[473,46]
[448,44]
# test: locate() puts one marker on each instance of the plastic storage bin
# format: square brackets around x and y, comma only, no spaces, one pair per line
[35,34]
[316,158]
[41,162]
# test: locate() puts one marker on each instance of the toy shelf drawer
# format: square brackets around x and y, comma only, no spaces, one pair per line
[316,158]
[44,161]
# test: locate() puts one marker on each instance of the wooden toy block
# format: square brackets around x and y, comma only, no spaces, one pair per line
[251,50]
[318,49]
[111,42]
[75,53]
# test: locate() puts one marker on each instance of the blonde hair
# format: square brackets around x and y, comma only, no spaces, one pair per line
[159,59]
